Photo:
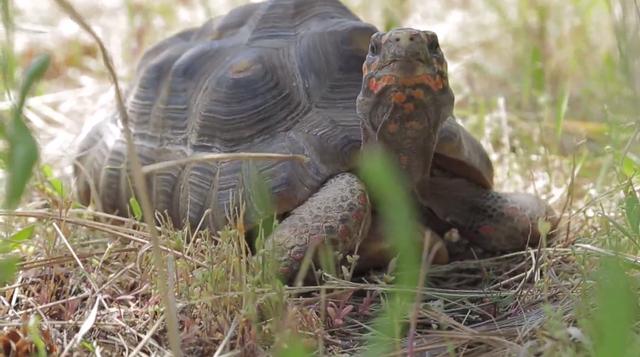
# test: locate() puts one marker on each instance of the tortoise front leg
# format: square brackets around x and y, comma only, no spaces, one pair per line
[494,221]
[338,215]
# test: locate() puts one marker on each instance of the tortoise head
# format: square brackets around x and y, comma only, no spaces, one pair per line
[405,97]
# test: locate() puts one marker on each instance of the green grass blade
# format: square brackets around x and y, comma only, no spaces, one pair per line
[34,334]
[632,210]
[7,56]
[33,74]
[259,198]
[3,153]
[629,167]
[616,310]
[136,210]
[23,235]
[622,230]
[23,154]
[55,183]
[14,242]
[7,19]
[8,269]
[393,202]
[561,112]
[23,148]
[293,347]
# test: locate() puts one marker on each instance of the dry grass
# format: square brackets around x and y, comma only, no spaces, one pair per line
[494,304]
[90,277]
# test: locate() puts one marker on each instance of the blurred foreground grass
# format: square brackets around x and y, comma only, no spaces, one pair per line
[551,88]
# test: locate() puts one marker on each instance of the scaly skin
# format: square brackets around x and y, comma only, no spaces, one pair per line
[338,215]
[493,221]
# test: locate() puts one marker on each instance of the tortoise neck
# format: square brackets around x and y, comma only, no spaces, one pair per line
[407,127]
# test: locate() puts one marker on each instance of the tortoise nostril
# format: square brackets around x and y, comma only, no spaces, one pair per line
[397,39]
[411,38]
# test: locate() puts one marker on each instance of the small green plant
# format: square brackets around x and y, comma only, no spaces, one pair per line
[21,152]
[54,184]
[400,222]
[8,268]
[136,210]
[614,312]
[292,346]
[35,335]
[22,146]
[8,265]
[632,211]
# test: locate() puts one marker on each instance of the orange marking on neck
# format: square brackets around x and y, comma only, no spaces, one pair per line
[398,97]
[418,94]
[375,85]
[434,82]
[409,108]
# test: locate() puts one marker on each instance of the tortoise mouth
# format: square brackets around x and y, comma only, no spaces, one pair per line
[382,82]
[405,68]
[404,61]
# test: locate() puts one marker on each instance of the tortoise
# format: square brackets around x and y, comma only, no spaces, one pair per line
[302,77]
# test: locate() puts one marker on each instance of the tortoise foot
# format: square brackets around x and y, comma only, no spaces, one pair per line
[509,221]
[491,220]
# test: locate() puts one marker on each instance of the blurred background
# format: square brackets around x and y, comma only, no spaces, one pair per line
[550,87]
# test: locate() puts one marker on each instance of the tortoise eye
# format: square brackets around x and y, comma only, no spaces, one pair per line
[373,49]
[432,42]
[373,44]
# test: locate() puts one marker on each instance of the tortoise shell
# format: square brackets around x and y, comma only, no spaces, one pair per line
[274,77]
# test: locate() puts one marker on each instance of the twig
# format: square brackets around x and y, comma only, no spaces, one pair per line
[633,137]
[56,96]
[11,287]
[147,337]
[92,315]
[84,328]
[629,258]
[64,259]
[55,303]
[569,202]
[427,258]
[75,256]
[55,323]
[222,157]
[227,337]
[139,182]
